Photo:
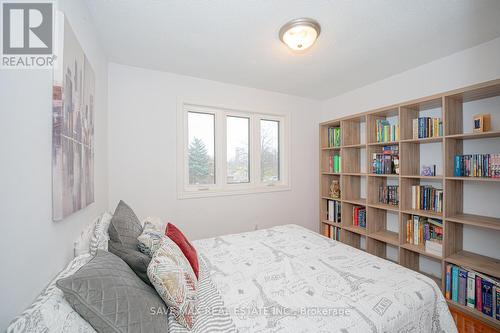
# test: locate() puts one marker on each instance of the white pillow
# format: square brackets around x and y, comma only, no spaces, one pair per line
[82,244]
[100,236]
[94,236]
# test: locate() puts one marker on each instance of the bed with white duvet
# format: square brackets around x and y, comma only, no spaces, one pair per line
[282,279]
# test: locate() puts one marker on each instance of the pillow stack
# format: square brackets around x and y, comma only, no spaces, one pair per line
[108,292]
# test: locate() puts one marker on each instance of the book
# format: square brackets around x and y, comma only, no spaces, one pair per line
[479,293]
[497,302]
[462,286]
[454,283]
[447,284]
[487,296]
[471,289]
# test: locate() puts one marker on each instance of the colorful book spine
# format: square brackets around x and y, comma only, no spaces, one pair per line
[479,293]
[471,289]
[447,285]
[462,286]
[454,284]
[487,295]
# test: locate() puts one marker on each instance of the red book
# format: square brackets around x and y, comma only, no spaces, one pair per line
[479,291]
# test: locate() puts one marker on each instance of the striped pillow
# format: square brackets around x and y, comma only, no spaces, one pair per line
[100,236]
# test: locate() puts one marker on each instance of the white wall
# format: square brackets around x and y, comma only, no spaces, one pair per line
[142,153]
[33,247]
[471,66]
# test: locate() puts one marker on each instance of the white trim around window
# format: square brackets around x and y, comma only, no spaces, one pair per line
[221,186]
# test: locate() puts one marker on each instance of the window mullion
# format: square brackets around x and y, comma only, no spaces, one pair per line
[220,151]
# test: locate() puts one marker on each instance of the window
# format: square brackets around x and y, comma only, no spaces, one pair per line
[269,150]
[201,149]
[223,151]
[238,159]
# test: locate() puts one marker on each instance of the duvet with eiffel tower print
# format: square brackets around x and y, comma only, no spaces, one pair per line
[291,279]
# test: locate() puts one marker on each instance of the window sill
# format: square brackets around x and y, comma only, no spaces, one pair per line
[219,193]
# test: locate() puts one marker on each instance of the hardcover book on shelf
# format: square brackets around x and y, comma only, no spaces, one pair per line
[447,282]
[471,289]
[462,286]
[454,284]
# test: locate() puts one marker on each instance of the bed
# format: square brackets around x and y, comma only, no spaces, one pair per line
[283,279]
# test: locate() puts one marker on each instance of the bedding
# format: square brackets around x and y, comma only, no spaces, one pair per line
[283,279]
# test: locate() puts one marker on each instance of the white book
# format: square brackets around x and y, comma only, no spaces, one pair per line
[415,231]
[471,289]
[413,197]
[331,211]
[415,128]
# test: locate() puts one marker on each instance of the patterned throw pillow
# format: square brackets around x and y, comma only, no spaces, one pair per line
[150,239]
[174,280]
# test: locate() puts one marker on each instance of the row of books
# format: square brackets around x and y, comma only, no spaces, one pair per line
[334,137]
[359,216]
[426,197]
[473,289]
[335,163]
[425,231]
[389,194]
[385,131]
[477,165]
[333,213]
[332,232]
[386,162]
[427,127]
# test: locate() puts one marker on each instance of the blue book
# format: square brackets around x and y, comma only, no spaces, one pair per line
[458,166]
[454,284]
[497,298]
[462,286]
[487,295]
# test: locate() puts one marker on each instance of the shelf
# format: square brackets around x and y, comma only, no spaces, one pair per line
[426,213]
[480,135]
[389,143]
[423,140]
[356,229]
[476,220]
[420,249]
[359,145]
[386,236]
[330,198]
[360,201]
[331,173]
[392,208]
[475,179]
[353,173]
[330,148]
[387,175]
[335,224]
[476,262]
[439,177]
[475,313]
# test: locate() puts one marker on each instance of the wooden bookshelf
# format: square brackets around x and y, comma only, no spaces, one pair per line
[359,187]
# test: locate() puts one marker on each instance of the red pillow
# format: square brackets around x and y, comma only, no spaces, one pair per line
[189,251]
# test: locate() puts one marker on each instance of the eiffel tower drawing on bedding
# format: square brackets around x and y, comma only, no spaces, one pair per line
[353,280]
[211,268]
[276,310]
[278,254]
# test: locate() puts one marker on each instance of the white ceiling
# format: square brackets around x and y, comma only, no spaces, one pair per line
[236,41]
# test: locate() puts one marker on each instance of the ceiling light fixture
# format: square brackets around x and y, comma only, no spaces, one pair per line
[300,34]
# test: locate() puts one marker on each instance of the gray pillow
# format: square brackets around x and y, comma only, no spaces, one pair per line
[111,298]
[124,229]
[137,260]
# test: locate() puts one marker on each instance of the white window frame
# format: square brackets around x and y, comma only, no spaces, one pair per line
[221,187]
